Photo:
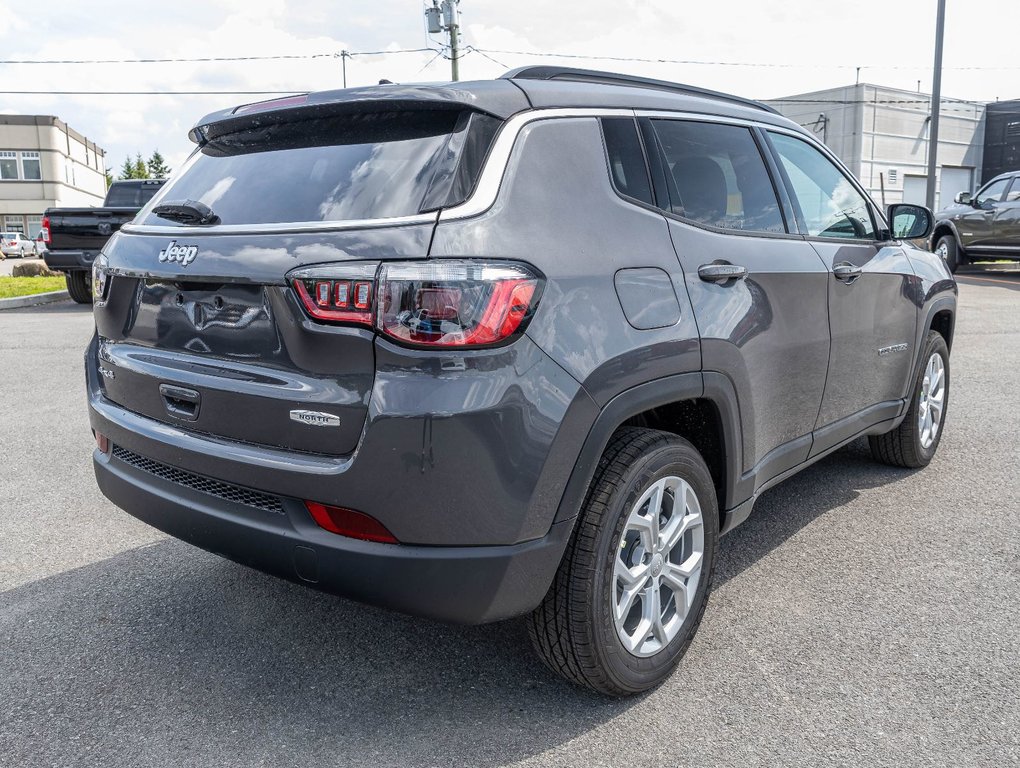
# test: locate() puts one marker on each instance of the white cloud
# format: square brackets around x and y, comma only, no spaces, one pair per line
[823,39]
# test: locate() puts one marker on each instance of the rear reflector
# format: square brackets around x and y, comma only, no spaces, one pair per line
[103,442]
[347,522]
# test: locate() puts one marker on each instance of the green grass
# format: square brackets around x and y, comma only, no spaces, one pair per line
[27,286]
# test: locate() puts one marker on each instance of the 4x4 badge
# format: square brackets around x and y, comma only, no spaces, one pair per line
[185,254]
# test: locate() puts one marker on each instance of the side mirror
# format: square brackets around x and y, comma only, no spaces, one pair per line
[964,198]
[910,222]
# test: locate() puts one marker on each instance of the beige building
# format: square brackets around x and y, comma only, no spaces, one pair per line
[45,163]
[881,134]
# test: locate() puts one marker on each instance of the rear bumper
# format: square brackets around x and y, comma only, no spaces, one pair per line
[70,261]
[469,585]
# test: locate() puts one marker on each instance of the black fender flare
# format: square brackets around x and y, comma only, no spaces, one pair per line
[711,386]
[933,241]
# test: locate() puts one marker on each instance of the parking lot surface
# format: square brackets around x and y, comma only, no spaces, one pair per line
[864,615]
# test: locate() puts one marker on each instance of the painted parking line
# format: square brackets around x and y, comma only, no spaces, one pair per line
[989,280]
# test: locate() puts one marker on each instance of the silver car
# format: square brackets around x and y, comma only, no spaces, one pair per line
[17,244]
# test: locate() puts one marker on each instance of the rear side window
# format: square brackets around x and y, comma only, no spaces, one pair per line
[626,158]
[716,176]
[335,168]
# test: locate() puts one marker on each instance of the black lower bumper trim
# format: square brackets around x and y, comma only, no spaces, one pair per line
[469,585]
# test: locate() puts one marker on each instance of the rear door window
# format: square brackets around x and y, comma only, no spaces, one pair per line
[716,176]
[336,168]
[626,158]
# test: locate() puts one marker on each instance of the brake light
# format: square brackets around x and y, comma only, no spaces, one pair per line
[45,231]
[348,522]
[434,304]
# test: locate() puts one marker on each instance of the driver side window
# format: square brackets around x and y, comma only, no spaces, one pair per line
[992,193]
[830,205]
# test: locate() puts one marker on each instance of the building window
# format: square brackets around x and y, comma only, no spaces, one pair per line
[8,165]
[34,225]
[14,223]
[30,166]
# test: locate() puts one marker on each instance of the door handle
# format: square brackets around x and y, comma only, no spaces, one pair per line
[847,272]
[720,273]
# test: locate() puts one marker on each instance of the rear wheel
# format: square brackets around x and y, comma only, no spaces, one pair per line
[948,249]
[634,582]
[914,442]
[79,286]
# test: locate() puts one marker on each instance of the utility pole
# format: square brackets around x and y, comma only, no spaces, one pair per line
[343,64]
[936,105]
[445,17]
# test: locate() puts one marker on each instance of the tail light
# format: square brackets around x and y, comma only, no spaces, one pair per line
[432,304]
[45,230]
[348,522]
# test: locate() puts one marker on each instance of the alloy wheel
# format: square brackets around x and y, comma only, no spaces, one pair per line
[932,400]
[658,566]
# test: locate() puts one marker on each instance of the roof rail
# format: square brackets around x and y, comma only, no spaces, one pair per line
[612,78]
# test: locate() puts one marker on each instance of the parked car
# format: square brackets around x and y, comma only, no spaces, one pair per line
[75,236]
[982,226]
[517,347]
[16,244]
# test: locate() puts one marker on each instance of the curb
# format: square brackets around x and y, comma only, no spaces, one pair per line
[35,299]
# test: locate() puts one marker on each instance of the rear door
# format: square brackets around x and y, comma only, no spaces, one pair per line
[872,305]
[768,331]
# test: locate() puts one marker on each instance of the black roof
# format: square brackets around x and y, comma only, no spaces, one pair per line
[516,91]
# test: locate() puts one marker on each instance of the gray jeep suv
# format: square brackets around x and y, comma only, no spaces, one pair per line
[517,347]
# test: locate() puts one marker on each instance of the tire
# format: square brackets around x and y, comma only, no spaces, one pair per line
[21,254]
[575,630]
[949,250]
[907,445]
[79,286]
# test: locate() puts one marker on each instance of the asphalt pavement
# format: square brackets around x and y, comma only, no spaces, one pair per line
[864,615]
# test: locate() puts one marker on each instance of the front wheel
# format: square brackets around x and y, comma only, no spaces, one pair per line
[634,581]
[949,250]
[914,442]
[79,287]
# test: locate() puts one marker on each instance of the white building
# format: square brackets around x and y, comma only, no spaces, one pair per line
[881,134]
[45,163]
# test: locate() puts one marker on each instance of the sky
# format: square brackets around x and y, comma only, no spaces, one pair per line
[762,49]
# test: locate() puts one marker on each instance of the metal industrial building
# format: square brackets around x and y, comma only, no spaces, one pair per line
[881,134]
[45,163]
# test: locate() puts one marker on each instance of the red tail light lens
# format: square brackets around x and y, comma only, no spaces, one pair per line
[45,230]
[455,303]
[433,304]
[347,522]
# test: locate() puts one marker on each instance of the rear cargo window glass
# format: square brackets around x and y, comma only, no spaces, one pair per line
[337,168]
[626,158]
[717,176]
[130,195]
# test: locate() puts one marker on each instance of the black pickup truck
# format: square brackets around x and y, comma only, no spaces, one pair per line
[74,236]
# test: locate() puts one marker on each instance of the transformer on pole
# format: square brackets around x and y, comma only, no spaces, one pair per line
[445,17]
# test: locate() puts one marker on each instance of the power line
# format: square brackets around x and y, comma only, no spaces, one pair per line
[270,57]
[152,93]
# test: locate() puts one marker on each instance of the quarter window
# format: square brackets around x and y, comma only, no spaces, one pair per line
[626,158]
[30,166]
[830,205]
[8,165]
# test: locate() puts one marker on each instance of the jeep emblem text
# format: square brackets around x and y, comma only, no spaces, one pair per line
[185,254]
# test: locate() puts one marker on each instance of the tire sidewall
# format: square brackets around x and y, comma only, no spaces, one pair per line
[627,671]
[952,251]
[934,344]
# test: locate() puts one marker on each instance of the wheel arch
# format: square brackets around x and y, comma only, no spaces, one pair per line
[943,228]
[700,407]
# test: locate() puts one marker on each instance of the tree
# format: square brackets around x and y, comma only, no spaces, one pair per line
[127,171]
[109,179]
[141,170]
[158,169]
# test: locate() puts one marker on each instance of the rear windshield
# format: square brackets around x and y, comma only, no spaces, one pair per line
[130,195]
[337,168]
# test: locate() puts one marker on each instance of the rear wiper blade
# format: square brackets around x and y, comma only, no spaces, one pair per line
[186,212]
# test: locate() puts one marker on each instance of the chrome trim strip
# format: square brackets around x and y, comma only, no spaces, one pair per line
[280,228]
